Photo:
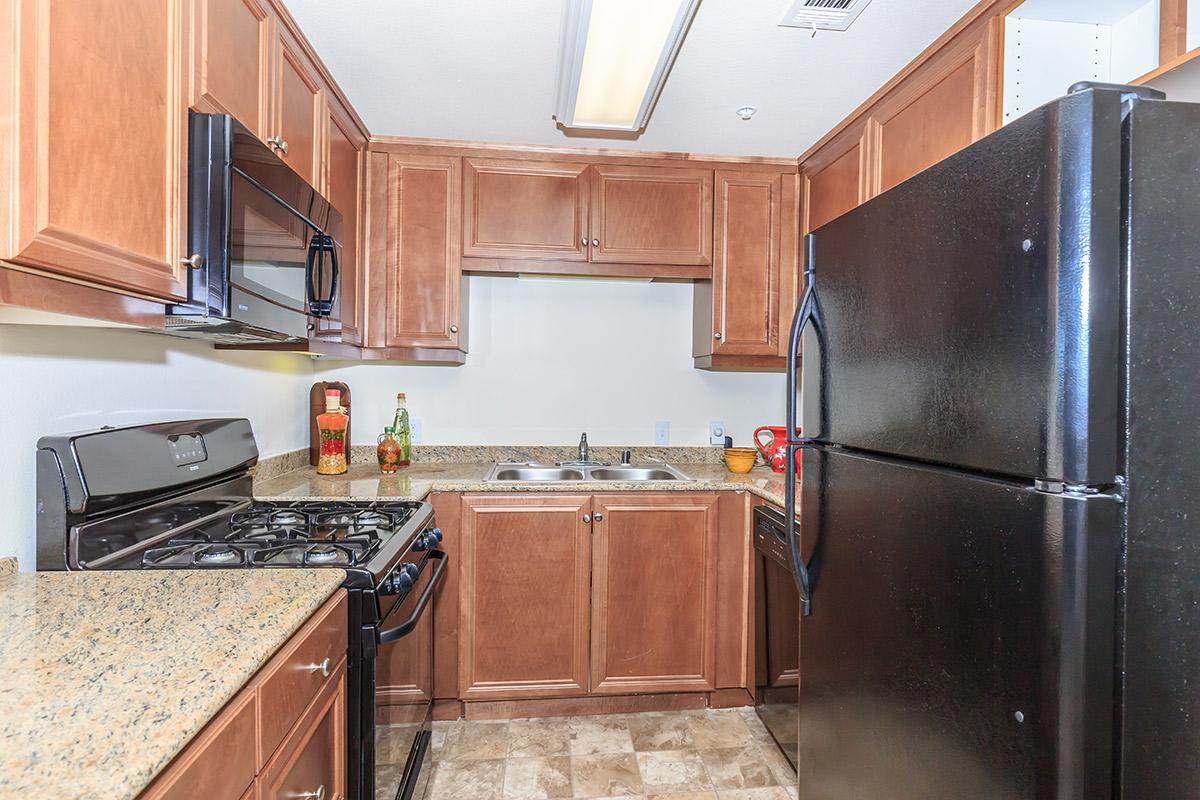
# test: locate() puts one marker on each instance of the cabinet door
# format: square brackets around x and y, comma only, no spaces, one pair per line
[523,596]
[343,184]
[423,270]
[948,104]
[298,118]
[746,267]
[93,174]
[651,215]
[312,761]
[654,592]
[231,61]
[835,179]
[525,209]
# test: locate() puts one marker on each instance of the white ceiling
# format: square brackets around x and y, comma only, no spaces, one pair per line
[486,70]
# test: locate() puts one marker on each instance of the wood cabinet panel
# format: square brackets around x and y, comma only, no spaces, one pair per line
[525,209]
[835,183]
[232,60]
[524,621]
[94,181]
[312,762]
[423,275]
[219,762]
[653,628]
[746,269]
[651,215]
[403,677]
[343,185]
[447,510]
[298,97]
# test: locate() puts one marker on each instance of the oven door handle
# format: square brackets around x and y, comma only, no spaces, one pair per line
[406,627]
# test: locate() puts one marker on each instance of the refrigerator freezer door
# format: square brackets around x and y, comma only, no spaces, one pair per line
[972,313]
[961,637]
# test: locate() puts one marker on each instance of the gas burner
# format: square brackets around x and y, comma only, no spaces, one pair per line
[321,555]
[343,553]
[266,533]
[200,552]
[217,554]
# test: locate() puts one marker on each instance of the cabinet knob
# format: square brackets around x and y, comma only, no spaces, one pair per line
[325,667]
[583,241]
[279,143]
[195,261]
[587,517]
[598,517]
[717,336]
[311,327]
[595,242]
[319,794]
[454,329]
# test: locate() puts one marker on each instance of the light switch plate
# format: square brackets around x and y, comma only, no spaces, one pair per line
[662,433]
[716,433]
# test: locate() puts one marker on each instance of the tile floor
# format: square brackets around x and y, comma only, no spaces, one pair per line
[685,755]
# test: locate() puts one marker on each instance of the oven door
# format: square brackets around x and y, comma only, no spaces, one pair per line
[777,633]
[404,685]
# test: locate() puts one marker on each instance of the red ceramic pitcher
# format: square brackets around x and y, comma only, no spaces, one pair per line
[775,451]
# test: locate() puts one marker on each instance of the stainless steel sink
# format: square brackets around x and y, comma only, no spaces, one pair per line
[663,473]
[513,473]
[530,472]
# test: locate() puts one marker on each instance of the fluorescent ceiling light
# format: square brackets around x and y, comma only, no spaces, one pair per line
[614,59]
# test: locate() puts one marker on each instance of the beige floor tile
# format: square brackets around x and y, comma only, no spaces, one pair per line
[537,778]
[445,734]
[480,740]
[660,732]
[738,767]
[718,729]
[684,796]
[598,734]
[793,791]
[606,775]
[767,793]
[460,780]
[780,767]
[536,738]
[673,771]
[393,743]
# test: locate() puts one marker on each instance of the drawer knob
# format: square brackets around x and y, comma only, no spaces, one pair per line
[598,517]
[194,261]
[595,242]
[325,667]
[319,794]
[587,518]
[454,329]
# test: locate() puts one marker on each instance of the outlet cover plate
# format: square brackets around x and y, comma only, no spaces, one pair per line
[662,433]
[716,433]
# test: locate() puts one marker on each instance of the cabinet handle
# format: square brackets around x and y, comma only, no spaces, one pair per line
[279,144]
[598,517]
[583,241]
[454,329]
[319,794]
[595,242]
[325,667]
[587,517]
[195,261]
[717,336]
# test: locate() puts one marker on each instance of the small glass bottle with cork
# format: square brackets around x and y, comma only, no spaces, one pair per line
[402,431]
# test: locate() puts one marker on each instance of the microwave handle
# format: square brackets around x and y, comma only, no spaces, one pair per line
[321,245]
[310,299]
[327,303]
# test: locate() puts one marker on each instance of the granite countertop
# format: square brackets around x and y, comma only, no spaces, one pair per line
[108,675]
[366,482]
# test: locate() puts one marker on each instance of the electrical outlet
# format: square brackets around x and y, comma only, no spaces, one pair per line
[662,433]
[414,431]
[716,433]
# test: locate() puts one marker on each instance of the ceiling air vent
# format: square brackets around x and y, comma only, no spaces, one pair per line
[823,15]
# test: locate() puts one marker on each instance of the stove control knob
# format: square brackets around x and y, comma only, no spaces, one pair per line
[403,582]
[436,533]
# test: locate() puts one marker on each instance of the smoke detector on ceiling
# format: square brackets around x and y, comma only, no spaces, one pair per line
[823,15]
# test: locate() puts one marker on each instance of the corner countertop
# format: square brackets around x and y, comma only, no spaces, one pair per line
[108,675]
[366,482]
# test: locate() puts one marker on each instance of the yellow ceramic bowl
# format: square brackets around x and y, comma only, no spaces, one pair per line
[740,459]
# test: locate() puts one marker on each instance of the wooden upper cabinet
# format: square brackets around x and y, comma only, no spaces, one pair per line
[93,175]
[231,60]
[523,629]
[298,118]
[421,232]
[654,593]
[948,105]
[747,277]
[835,180]
[525,209]
[345,164]
[651,215]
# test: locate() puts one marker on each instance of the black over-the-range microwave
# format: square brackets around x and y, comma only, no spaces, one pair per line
[264,244]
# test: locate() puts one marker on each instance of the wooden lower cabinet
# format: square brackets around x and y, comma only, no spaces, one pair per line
[523,602]
[284,734]
[654,593]
[564,595]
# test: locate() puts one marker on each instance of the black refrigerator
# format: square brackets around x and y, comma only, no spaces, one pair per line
[998,537]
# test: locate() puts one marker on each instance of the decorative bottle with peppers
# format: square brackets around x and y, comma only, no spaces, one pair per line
[403,432]
[332,427]
[388,451]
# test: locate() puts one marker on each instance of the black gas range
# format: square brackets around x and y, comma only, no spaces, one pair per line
[178,496]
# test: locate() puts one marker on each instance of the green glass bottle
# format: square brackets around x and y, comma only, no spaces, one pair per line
[403,431]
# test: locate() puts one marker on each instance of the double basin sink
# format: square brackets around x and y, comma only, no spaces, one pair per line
[586,473]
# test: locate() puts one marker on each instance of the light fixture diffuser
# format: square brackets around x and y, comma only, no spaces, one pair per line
[614,59]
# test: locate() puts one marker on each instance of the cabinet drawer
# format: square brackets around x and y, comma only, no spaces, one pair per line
[294,676]
[312,763]
[218,764]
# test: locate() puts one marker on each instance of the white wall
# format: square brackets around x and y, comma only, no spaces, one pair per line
[551,357]
[66,379]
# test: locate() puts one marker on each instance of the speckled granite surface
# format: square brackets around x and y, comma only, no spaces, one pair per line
[108,675]
[8,566]
[365,482]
